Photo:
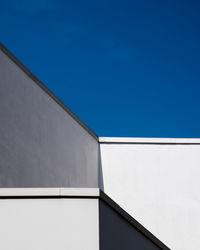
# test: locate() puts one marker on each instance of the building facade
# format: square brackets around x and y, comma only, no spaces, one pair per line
[46,150]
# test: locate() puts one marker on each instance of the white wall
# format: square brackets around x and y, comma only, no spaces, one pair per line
[158,184]
[49,224]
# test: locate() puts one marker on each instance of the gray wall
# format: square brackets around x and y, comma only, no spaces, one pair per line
[41,145]
[116,233]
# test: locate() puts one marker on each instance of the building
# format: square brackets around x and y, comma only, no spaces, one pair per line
[56,176]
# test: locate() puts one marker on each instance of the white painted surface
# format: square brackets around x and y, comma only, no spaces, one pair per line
[148,140]
[92,192]
[79,192]
[39,224]
[159,186]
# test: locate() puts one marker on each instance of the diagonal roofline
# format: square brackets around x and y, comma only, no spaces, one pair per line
[101,140]
[47,91]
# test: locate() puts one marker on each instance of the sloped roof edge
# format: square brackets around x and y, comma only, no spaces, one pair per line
[106,140]
[44,88]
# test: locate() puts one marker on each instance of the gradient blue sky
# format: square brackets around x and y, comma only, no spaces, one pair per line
[126,68]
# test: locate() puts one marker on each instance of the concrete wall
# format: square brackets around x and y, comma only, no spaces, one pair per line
[41,145]
[157,182]
[38,224]
[116,233]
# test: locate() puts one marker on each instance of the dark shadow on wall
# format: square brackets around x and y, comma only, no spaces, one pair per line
[117,233]
[100,170]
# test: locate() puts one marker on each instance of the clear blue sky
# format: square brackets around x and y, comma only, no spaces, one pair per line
[126,68]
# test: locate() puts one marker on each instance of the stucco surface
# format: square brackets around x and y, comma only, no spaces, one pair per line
[38,224]
[158,184]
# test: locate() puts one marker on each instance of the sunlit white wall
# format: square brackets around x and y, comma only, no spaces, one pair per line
[39,224]
[158,184]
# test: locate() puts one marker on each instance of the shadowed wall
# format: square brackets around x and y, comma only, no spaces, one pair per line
[41,145]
